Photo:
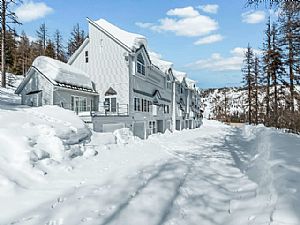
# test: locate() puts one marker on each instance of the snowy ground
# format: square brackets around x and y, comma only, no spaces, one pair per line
[216,174]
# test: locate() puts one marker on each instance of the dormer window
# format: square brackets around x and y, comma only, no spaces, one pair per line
[168,82]
[140,65]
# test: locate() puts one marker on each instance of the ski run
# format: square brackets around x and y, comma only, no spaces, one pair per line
[216,174]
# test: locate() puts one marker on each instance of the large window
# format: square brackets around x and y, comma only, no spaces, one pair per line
[78,104]
[110,104]
[140,65]
[142,105]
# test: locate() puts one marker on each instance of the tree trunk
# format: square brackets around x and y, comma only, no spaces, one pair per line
[275,100]
[3,72]
[268,96]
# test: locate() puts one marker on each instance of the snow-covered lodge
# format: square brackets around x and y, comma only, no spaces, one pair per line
[137,89]
[133,87]
[51,82]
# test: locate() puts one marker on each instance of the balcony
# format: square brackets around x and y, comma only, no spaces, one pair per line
[118,110]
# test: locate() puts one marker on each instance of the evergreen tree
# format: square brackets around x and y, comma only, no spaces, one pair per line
[50,49]
[266,79]
[7,17]
[248,79]
[42,37]
[22,62]
[256,79]
[277,72]
[10,50]
[76,40]
[59,48]
[290,32]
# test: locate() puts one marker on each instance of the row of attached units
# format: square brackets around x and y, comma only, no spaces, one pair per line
[136,88]
[117,80]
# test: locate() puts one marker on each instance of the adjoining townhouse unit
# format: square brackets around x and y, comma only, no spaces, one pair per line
[51,82]
[187,102]
[136,87]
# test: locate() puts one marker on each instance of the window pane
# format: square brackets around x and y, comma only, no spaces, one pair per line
[72,102]
[143,70]
[113,102]
[139,68]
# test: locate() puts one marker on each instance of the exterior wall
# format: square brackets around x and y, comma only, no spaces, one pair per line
[62,97]
[144,87]
[37,82]
[112,65]
[102,123]
[107,65]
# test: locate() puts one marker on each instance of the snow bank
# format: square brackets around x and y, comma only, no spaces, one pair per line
[131,40]
[30,135]
[124,136]
[270,158]
[60,72]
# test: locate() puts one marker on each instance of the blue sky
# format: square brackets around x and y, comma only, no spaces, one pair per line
[204,38]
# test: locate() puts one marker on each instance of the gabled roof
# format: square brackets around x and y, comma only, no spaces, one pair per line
[179,76]
[59,74]
[110,91]
[190,83]
[78,51]
[131,40]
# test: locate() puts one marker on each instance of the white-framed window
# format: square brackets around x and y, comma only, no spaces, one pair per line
[78,103]
[110,104]
[152,127]
[140,64]
[142,105]
[169,85]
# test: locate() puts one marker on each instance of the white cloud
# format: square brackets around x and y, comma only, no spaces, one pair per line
[241,51]
[186,22]
[183,12]
[209,39]
[144,25]
[209,8]
[216,62]
[30,11]
[253,17]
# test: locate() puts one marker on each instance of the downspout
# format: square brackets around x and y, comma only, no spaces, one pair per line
[130,87]
[173,105]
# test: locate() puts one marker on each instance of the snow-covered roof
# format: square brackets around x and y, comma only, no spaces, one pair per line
[58,72]
[131,40]
[161,64]
[179,75]
[190,83]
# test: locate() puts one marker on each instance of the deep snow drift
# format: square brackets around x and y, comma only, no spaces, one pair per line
[217,174]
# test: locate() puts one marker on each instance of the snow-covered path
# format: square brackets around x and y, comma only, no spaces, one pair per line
[213,175]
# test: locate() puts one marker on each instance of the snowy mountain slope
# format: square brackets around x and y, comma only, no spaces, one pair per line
[235,99]
[213,101]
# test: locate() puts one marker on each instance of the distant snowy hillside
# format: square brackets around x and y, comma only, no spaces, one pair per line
[213,101]
[233,100]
